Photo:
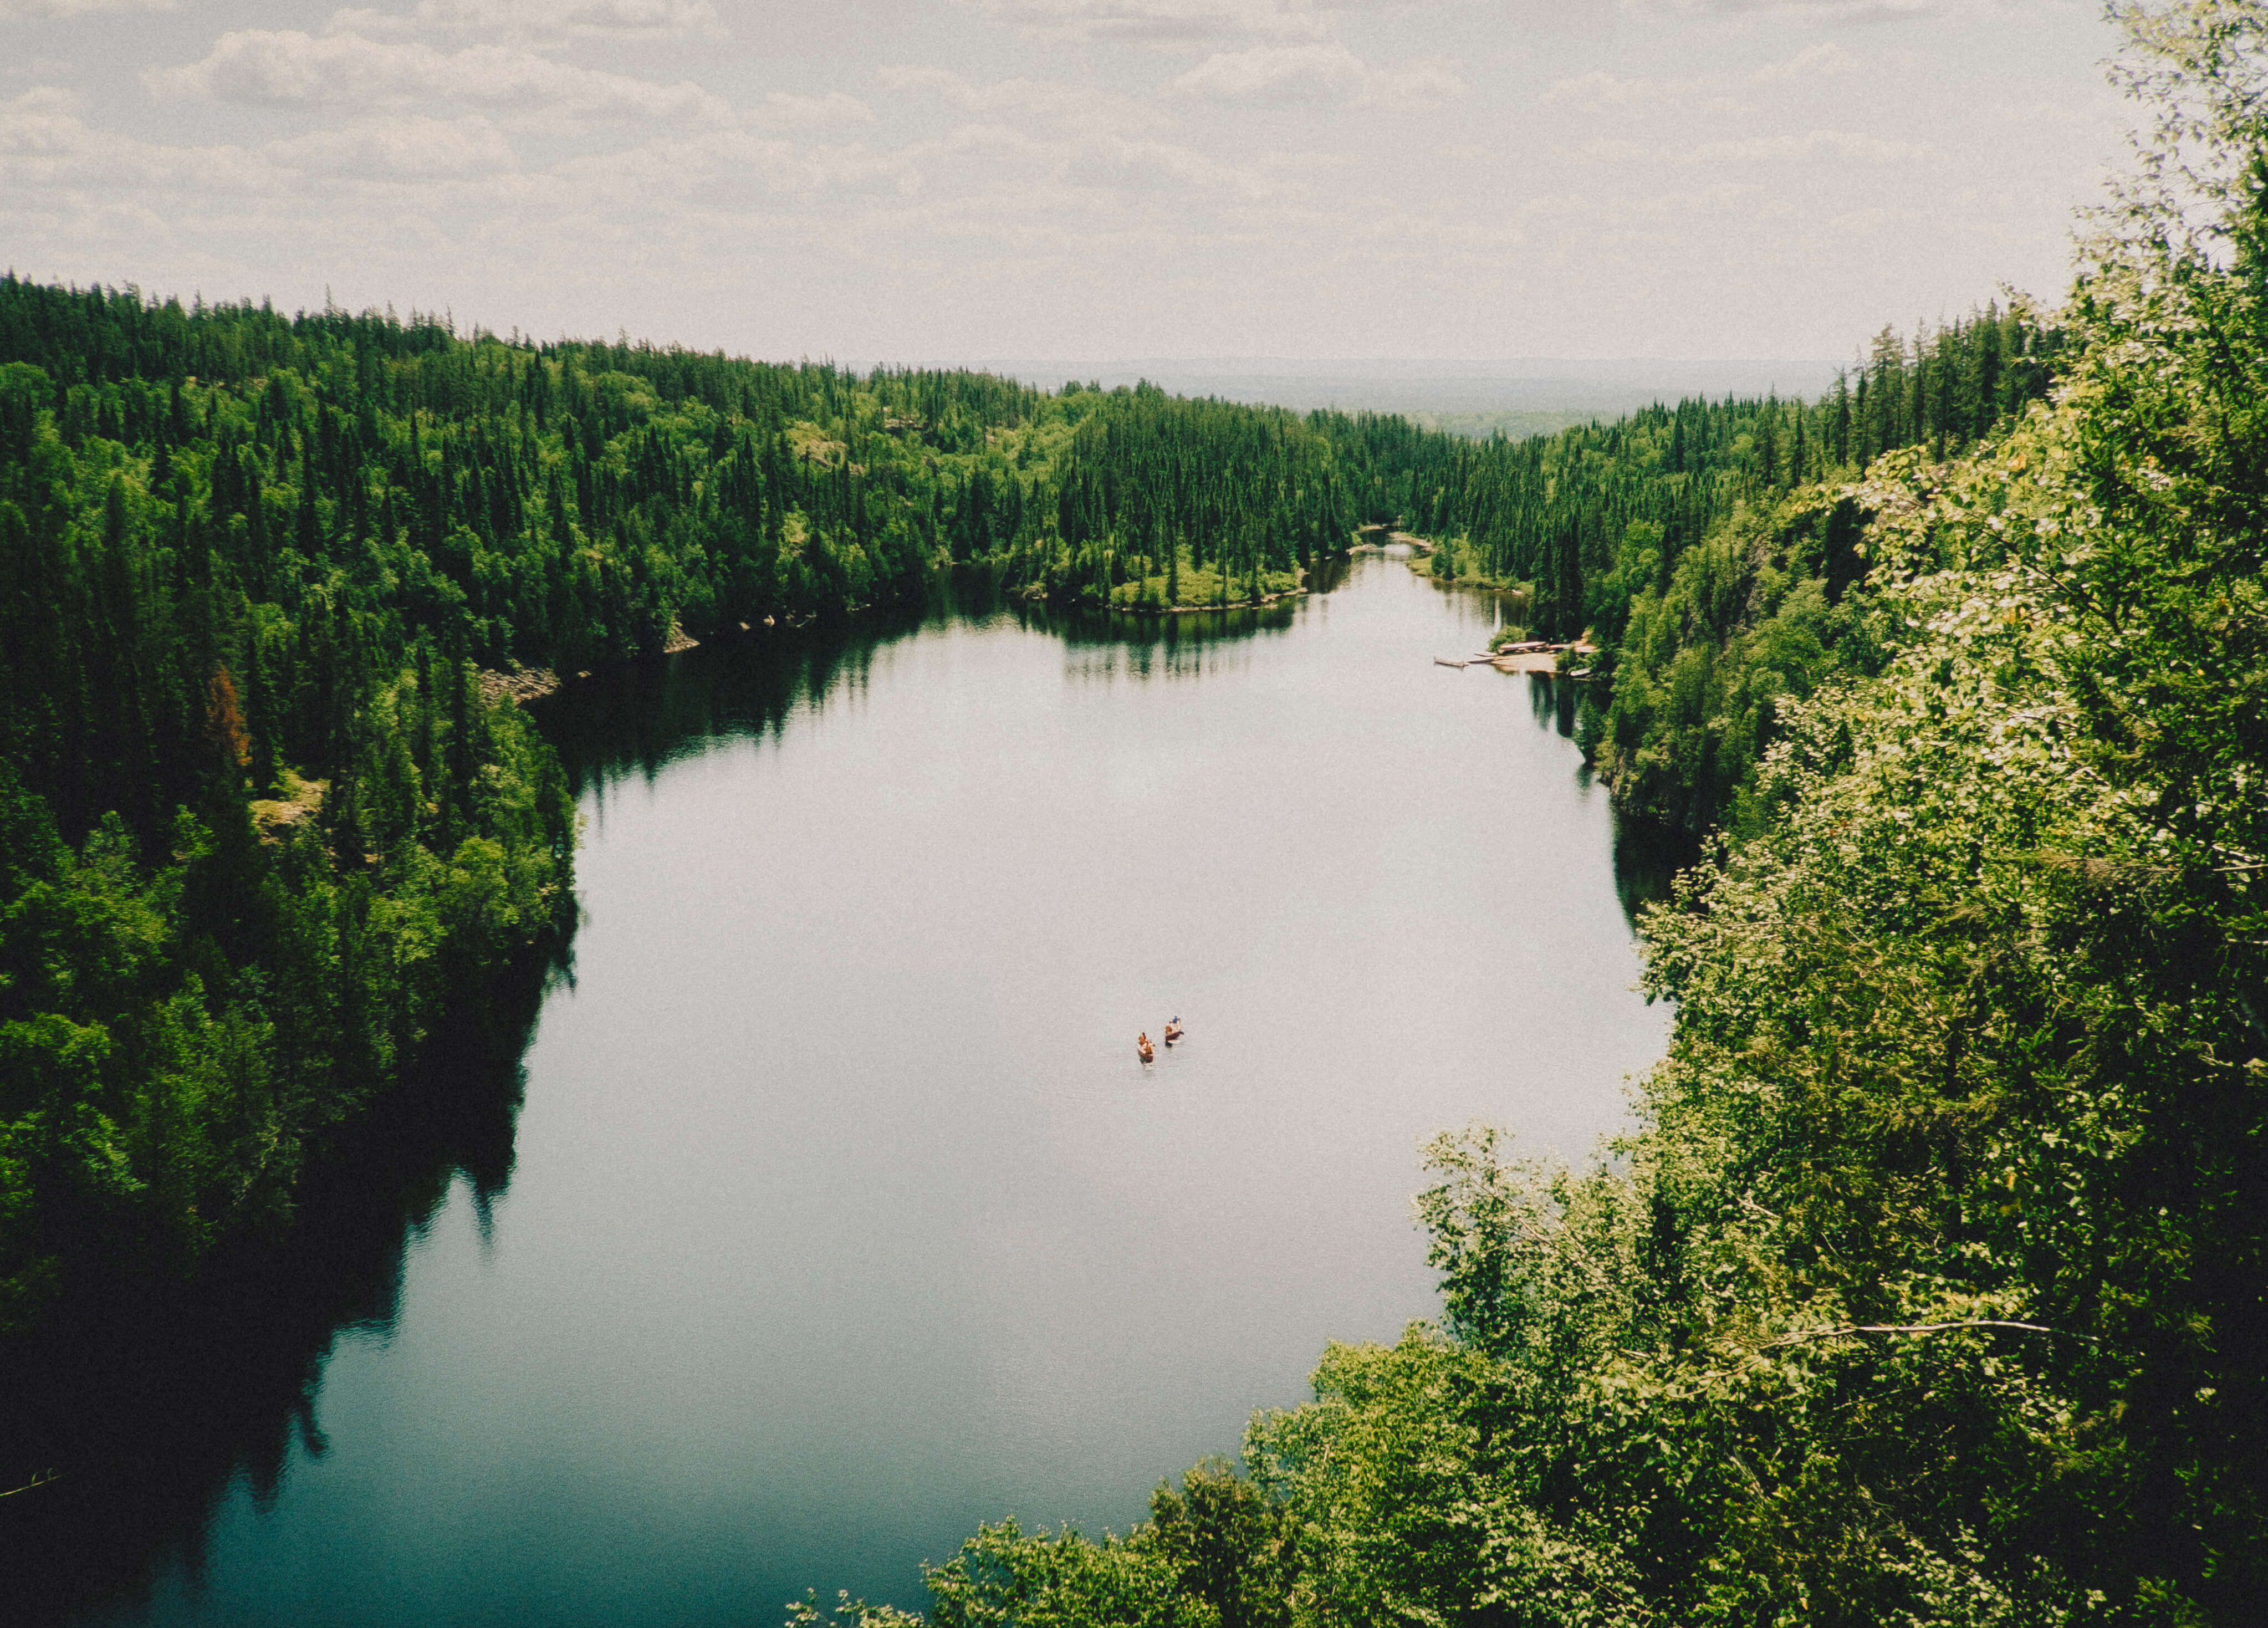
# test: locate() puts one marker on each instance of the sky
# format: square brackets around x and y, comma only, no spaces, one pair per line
[1468,180]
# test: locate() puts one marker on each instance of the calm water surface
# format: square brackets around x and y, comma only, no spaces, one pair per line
[838,1214]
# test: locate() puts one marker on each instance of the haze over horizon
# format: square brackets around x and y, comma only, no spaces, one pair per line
[1521,395]
[1668,180]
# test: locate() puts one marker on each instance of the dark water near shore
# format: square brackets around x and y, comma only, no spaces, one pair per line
[826,1210]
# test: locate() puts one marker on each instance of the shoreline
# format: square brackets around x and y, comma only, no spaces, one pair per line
[1394,539]
[1038,594]
[1185,611]
[1542,663]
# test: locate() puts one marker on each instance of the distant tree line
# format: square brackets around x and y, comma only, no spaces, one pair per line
[1706,548]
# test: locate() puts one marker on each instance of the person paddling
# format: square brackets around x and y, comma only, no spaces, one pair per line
[1173,1031]
[1142,1045]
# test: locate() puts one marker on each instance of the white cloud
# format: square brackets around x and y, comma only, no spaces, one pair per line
[530,20]
[1096,172]
[1155,167]
[1825,60]
[413,149]
[45,148]
[44,144]
[1434,233]
[1598,91]
[782,110]
[1414,85]
[1807,11]
[52,10]
[1159,22]
[1866,223]
[2035,116]
[1071,196]
[722,167]
[1298,73]
[285,67]
[1076,108]
[1842,146]
[1276,73]
[43,120]
[1717,204]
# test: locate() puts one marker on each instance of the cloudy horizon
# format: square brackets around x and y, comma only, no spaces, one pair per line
[1452,181]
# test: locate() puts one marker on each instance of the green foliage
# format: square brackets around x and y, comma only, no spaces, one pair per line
[1006,1578]
[261,816]
[1157,501]
[1711,549]
[1228,1546]
[1184,583]
[848,1613]
[1750,620]
[1928,1290]
[1715,617]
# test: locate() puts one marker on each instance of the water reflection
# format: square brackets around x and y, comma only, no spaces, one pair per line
[1647,860]
[1553,700]
[159,1407]
[149,1403]
[1103,646]
[633,720]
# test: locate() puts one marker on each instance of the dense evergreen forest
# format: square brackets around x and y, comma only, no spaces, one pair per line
[1930,1287]
[265,584]
[1707,548]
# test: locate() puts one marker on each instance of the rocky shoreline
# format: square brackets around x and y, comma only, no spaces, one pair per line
[523,685]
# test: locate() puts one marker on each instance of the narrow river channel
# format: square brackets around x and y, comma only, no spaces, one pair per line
[831,1212]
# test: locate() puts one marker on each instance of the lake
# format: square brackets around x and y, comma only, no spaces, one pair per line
[826,1209]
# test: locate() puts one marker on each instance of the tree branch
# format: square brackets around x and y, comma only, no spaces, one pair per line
[41,1479]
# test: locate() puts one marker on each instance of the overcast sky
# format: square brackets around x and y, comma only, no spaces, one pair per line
[969,179]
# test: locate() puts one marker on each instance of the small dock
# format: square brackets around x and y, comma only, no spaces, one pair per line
[1543,661]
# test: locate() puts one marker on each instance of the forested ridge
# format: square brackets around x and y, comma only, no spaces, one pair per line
[265,581]
[1707,548]
[267,821]
[1932,1286]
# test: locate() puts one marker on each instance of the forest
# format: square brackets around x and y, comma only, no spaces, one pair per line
[268,587]
[1927,1287]
[1706,549]
[268,581]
